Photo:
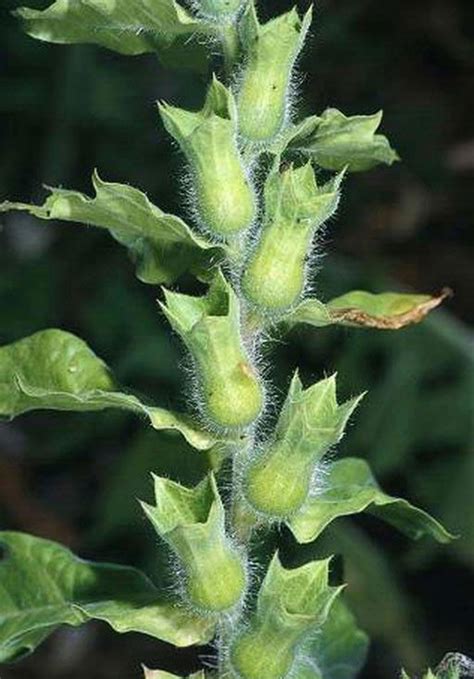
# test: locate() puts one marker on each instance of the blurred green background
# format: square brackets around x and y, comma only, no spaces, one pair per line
[75,478]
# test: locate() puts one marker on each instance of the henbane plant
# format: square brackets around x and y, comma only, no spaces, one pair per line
[264,186]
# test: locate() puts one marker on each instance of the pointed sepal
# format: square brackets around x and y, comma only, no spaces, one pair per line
[278,480]
[453,673]
[192,521]
[271,50]
[224,195]
[295,208]
[291,603]
[230,392]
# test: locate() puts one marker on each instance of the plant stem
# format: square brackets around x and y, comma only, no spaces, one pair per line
[237,517]
[244,521]
[230,46]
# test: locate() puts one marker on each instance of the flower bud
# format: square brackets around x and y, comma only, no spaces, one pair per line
[290,604]
[224,196]
[230,394]
[295,207]
[192,521]
[278,480]
[264,90]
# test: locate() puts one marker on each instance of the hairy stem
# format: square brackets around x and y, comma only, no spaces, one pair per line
[243,520]
[230,41]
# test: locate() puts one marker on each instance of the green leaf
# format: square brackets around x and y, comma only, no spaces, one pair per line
[43,585]
[335,141]
[350,489]
[339,651]
[310,311]
[161,418]
[55,370]
[129,27]
[161,245]
[385,311]
[361,309]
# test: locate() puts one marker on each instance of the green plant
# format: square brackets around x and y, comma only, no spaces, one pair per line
[258,206]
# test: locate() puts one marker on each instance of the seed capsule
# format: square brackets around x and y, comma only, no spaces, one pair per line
[277,482]
[192,521]
[231,395]
[224,195]
[290,604]
[264,90]
[295,207]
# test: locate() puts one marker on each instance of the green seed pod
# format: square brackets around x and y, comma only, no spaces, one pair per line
[295,207]
[290,604]
[230,394]
[277,482]
[192,521]
[264,89]
[224,195]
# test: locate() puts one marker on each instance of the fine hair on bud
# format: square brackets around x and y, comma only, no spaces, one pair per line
[264,84]
[296,207]
[224,197]
[278,477]
[212,571]
[231,394]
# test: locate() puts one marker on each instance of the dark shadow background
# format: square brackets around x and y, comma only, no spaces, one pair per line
[74,478]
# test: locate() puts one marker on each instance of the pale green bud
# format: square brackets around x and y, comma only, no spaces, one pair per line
[224,196]
[230,393]
[295,207]
[264,89]
[290,604]
[192,521]
[278,481]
